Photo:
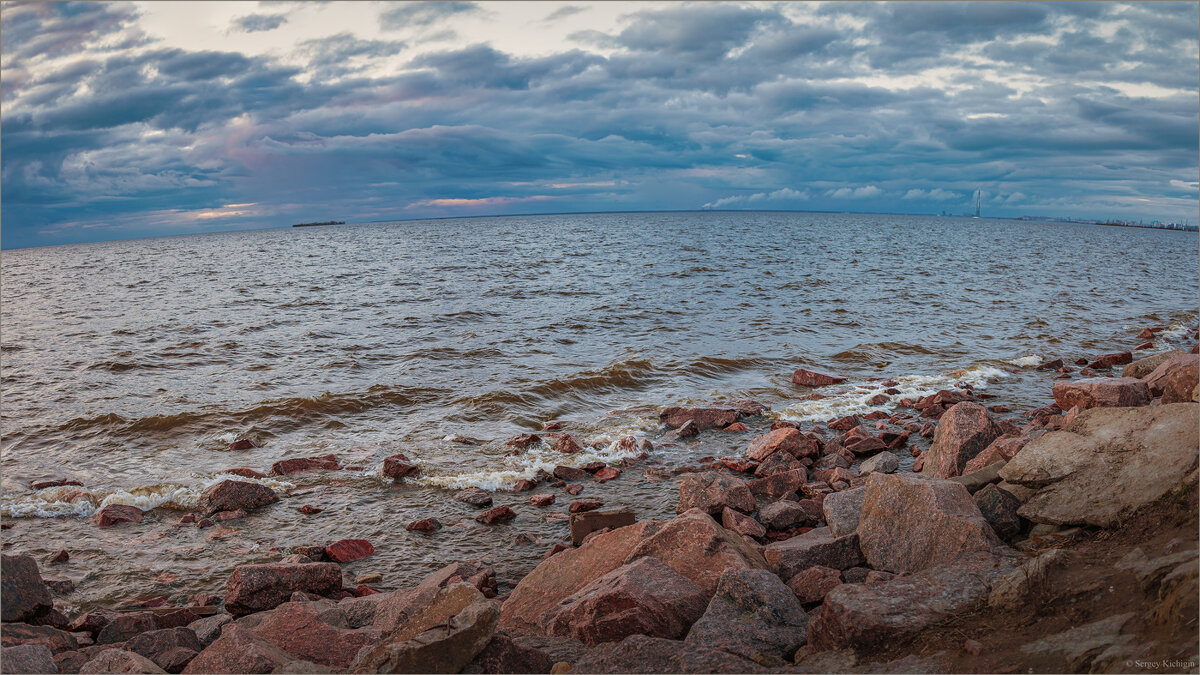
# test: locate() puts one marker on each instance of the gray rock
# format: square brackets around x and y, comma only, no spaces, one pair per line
[815,547]
[975,481]
[27,659]
[441,649]
[360,612]
[1107,463]
[884,462]
[782,514]
[1077,647]
[753,615]
[208,629]
[843,509]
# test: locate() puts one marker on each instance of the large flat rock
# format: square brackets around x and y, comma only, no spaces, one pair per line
[1106,463]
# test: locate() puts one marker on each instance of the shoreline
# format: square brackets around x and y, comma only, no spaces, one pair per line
[779,510]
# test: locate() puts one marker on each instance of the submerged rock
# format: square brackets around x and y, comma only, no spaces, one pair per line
[230,495]
[116,514]
[703,418]
[288,467]
[474,496]
[812,378]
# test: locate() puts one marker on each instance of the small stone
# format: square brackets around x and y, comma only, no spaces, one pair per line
[584,505]
[573,488]
[474,496]
[309,510]
[116,514]
[349,550]
[398,466]
[542,499]
[973,647]
[606,474]
[811,584]
[60,556]
[500,514]
[424,525]
[242,444]
[566,444]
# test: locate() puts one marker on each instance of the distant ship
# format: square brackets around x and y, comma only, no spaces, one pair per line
[331,222]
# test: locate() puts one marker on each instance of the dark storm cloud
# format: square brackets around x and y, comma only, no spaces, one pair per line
[706,103]
[254,23]
[423,13]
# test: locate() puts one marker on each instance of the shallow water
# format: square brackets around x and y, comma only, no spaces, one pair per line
[131,365]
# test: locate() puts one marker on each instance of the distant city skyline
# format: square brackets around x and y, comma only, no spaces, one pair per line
[127,120]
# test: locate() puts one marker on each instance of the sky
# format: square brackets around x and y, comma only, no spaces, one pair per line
[121,120]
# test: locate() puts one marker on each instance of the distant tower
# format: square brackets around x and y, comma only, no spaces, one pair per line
[978,199]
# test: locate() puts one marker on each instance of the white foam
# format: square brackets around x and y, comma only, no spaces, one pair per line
[1175,331]
[852,398]
[1026,361]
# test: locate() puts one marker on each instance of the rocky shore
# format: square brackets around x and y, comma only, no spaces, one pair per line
[1062,538]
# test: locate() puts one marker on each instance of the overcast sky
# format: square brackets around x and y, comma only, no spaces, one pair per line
[125,120]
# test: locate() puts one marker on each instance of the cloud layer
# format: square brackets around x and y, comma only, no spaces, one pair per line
[1065,109]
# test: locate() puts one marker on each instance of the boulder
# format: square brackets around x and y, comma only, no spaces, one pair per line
[408,612]
[785,439]
[814,583]
[398,466]
[120,661]
[298,628]
[741,523]
[812,378]
[231,495]
[569,473]
[777,462]
[170,648]
[209,628]
[777,485]
[753,615]
[711,492]
[868,617]
[704,418]
[126,625]
[445,648]
[474,496]
[977,480]
[116,514]
[583,505]
[739,464]
[963,431]
[1144,366]
[815,547]
[843,509]
[1175,378]
[782,515]
[27,659]
[349,550]
[999,509]
[255,588]
[505,655]
[1106,464]
[239,650]
[884,462]
[287,467]
[23,594]
[1110,360]
[697,547]
[500,514]
[1000,450]
[641,597]
[1097,392]
[55,640]
[644,654]
[584,523]
[910,522]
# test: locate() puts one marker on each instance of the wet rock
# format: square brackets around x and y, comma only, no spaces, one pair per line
[55,640]
[1083,477]
[505,655]
[644,596]
[116,514]
[399,466]
[845,423]
[736,426]
[120,661]
[999,509]
[230,495]
[782,515]
[812,378]
[1105,361]
[570,473]
[474,496]
[255,588]
[910,522]
[814,583]
[500,514]
[314,553]
[703,418]
[861,616]
[295,465]
[565,444]
[1144,366]
[787,440]
[208,629]
[585,522]
[579,505]
[842,510]
[349,550]
[643,654]
[27,659]
[426,525]
[444,648]
[884,462]
[573,488]
[239,650]
[742,524]
[170,649]
[777,485]
[1100,392]
[606,474]
[1175,378]
[711,492]
[92,622]
[965,430]
[23,594]
[222,516]
[738,464]
[686,431]
[815,547]
[523,441]
[242,444]
[752,615]
[542,499]
[777,462]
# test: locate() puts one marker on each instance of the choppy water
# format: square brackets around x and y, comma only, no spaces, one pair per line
[131,365]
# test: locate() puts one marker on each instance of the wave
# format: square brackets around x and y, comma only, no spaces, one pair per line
[72,500]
